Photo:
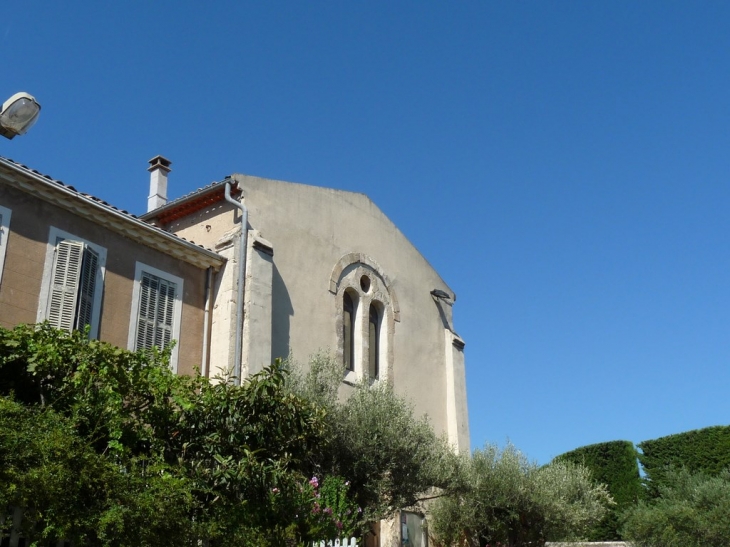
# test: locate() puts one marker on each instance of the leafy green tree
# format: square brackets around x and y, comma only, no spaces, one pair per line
[691,510]
[392,458]
[136,455]
[68,490]
[507,499]
[243,443]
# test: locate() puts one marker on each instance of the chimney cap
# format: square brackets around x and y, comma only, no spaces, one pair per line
[160,162]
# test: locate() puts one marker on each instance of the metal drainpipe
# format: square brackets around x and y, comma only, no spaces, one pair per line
[205,364]
[242,248]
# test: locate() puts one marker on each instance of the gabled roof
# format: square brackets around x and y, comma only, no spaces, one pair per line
[104,214]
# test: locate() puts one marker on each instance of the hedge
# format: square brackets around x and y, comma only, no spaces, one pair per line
[614,464]
[704,450]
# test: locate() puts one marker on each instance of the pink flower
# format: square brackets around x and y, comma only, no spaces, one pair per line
[314,481]
[316,508]
[327,511]
[275,490]
[339,525]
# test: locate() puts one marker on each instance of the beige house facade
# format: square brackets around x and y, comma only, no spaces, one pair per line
[76,261]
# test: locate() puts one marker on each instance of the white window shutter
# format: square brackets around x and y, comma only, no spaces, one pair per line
[156,304]
[87,284]
[65,284]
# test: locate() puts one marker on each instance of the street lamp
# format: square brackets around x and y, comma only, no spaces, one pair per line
[18,114]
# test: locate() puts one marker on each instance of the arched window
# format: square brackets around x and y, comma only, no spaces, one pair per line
[348,331]
[373,342]
[367,310]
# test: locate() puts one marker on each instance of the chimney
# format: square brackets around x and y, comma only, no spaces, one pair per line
[159,168]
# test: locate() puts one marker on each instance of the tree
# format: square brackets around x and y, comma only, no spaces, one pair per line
[68,490]
[392,458]
[615,465]
[505,498]
[108,447]
[691,510]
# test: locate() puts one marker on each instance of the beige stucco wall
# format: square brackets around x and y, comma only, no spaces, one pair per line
[21,282]
[311,229]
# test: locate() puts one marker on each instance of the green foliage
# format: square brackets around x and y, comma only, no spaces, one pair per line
[70,491]
[334,513]
[691,510]
[391,457]
[108,447]
[241,443]
[507,499]
[615,465]
[122,402]
[703,450]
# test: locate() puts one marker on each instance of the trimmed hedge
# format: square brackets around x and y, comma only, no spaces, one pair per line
[704,450]
[614,464]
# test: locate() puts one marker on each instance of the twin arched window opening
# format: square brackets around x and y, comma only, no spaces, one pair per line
[371,358]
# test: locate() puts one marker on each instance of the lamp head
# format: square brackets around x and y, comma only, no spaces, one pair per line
[18,115]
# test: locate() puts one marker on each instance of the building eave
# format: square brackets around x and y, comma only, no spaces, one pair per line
[88,207]
[190,203]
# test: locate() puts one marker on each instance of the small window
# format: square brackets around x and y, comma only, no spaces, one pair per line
[373,343]
[72,283]
[156,310]
[348,331]
[4,233]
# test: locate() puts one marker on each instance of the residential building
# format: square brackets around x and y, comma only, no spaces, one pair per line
[78,262]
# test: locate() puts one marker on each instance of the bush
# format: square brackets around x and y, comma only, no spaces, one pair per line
[506,498]
[691,510]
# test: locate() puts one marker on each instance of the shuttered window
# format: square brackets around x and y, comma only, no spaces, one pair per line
[156,312]
[5,214]
[73,283]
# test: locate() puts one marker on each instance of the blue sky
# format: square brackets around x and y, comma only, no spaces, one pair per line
[563,165]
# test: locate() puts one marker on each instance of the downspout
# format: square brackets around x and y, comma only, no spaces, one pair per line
[206,323]
[242,249]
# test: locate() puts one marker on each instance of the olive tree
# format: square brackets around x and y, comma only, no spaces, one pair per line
[392,457]
[691,510]
[506,498]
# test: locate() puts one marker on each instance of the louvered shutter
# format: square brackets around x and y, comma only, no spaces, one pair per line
[65,284]
[156,304]
[87,285]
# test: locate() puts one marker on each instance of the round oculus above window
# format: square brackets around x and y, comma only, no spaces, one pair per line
[365,283]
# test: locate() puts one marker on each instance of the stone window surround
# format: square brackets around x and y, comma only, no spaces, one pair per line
[346,277]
